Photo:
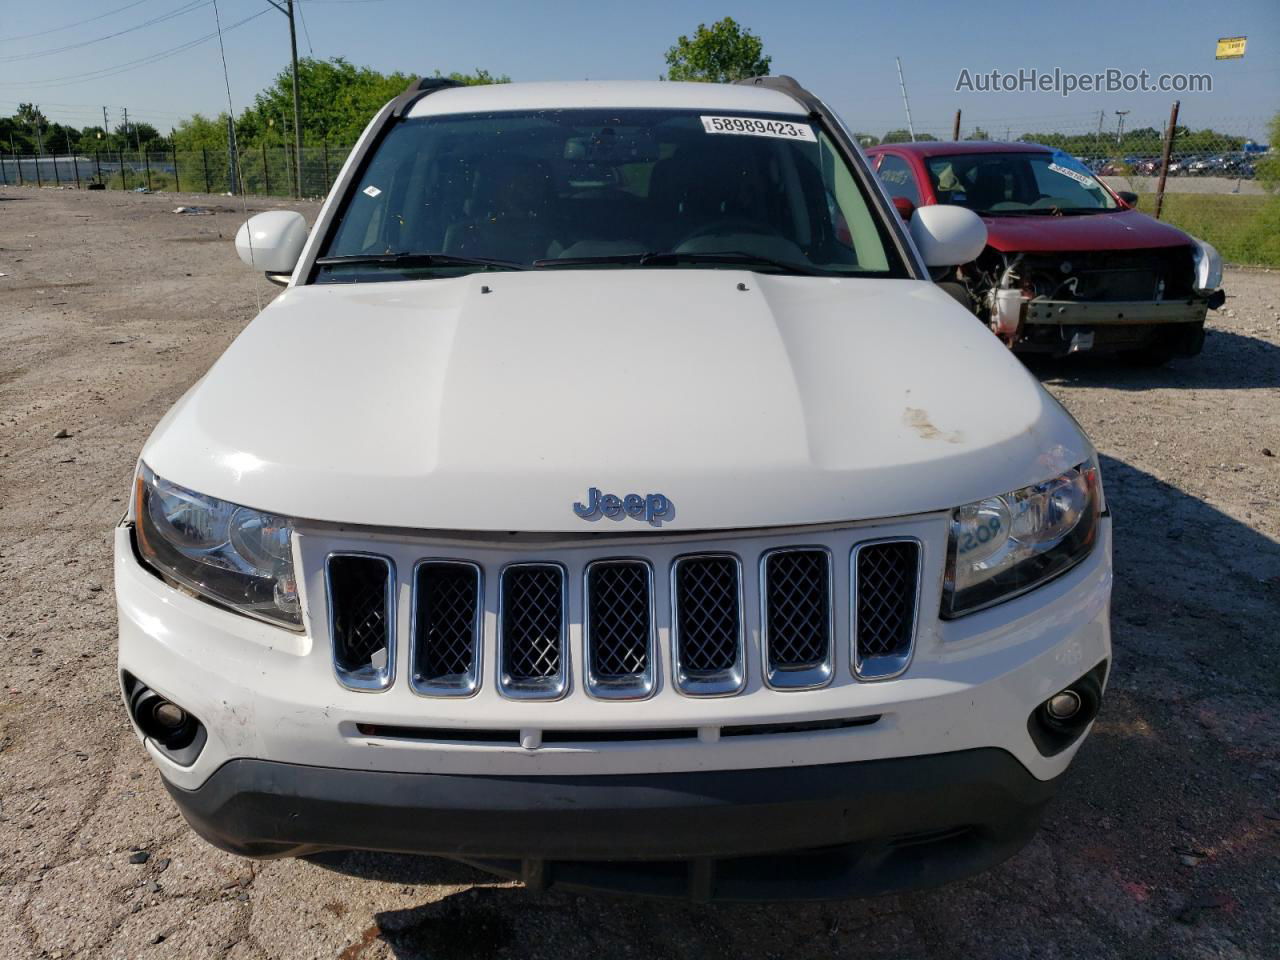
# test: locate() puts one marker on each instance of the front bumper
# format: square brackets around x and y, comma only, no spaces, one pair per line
[1113,313]
[853,829]
[942,780]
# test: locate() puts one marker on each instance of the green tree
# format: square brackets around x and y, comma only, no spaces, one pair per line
[338,99]
[904,136]
[721,53]
[978,134]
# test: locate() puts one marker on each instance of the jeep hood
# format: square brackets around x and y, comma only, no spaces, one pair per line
[1120,230]
[493,402]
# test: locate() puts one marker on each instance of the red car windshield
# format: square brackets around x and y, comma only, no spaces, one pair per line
[1018,183]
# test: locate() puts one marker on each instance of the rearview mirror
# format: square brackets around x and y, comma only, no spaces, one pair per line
[948,236]
[272,241]
[1128,198]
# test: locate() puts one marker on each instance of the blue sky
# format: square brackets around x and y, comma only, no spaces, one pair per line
[844,51]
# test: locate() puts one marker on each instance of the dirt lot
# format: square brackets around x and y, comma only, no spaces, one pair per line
[1165,841]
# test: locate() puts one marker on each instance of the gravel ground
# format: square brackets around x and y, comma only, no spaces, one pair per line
[1164,842]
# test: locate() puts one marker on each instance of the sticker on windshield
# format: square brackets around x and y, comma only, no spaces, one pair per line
[1074,175]
[756,127]
[371,191]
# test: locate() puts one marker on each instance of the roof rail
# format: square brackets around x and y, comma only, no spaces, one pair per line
[419,88]
[784,84]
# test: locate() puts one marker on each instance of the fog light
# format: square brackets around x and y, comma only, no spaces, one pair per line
[168,715]
[1064,705]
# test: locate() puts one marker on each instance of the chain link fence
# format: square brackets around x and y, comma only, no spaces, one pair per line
[258,171]
[1218,186]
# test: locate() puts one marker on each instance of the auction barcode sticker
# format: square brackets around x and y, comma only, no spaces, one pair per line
[758,127]
[1073,174]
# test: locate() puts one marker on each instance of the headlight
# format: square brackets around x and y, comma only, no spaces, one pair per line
[1208,266]
[230,554]
[1004,546]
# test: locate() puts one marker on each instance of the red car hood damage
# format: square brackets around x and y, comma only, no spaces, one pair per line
[1121,230]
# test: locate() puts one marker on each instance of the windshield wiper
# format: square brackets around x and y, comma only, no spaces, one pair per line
[418,260]
[672,257]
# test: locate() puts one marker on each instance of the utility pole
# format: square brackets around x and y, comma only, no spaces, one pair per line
[1120,126]
[287,10]
[106,124]
[901,83]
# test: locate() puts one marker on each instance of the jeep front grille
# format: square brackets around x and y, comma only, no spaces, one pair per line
[448,598]
[707,624]
[618,629]
[532,652]
[361,617]
[796,620]
[886,587]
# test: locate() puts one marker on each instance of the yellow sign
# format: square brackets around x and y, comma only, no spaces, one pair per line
[1230,48]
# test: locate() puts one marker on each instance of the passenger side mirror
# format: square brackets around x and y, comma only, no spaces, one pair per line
[904,207]
[948,236]
[272,242]
[1127,198]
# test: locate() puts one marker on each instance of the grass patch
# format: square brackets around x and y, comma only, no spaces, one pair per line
[1245,229]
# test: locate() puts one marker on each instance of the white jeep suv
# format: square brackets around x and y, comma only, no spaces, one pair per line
[612,500]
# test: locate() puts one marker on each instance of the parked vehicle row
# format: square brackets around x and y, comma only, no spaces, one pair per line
[1237,165]
[1069,264]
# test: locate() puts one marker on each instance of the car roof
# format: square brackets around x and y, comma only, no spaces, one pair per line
[620,94]
[933,148]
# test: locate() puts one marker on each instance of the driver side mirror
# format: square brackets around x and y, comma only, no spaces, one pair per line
[948,236]
[1128,198]
[272,242]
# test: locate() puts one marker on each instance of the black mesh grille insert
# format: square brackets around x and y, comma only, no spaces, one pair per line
[532,613]
[618,626]
[445,620]
[797,608]
[887,574]
[707,616]
[358,593]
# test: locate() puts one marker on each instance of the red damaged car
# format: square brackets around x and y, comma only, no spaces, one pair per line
[1069,265]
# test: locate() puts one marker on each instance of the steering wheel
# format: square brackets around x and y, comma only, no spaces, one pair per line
[727,225]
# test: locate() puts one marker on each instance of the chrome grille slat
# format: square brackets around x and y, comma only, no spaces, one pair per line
[360,591]
[618,628]
[447,627]
[707,630]
[886,593]
[533,653]
[796,619]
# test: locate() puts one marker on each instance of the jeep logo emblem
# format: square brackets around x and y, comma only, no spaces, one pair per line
[653,507]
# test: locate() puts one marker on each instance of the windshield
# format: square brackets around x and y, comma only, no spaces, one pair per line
[443,195]
[1018,183]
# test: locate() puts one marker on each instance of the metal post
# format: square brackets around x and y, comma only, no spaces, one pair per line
[233,157]
[177,181]
[56,179]
[97,162]
[325,145]
[39,181]
[905,103]
[16,159]
[146,165]
[266,172]
[1169,135]
[204,152]
[955,127]
[297,103]
[75,162]
[4,177]
[124,177]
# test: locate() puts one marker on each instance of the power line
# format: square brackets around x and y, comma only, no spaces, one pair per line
[130,64]
[305,31]
[187,8]
[68,26]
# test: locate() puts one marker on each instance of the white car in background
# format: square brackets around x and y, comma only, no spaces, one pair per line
[612,500]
